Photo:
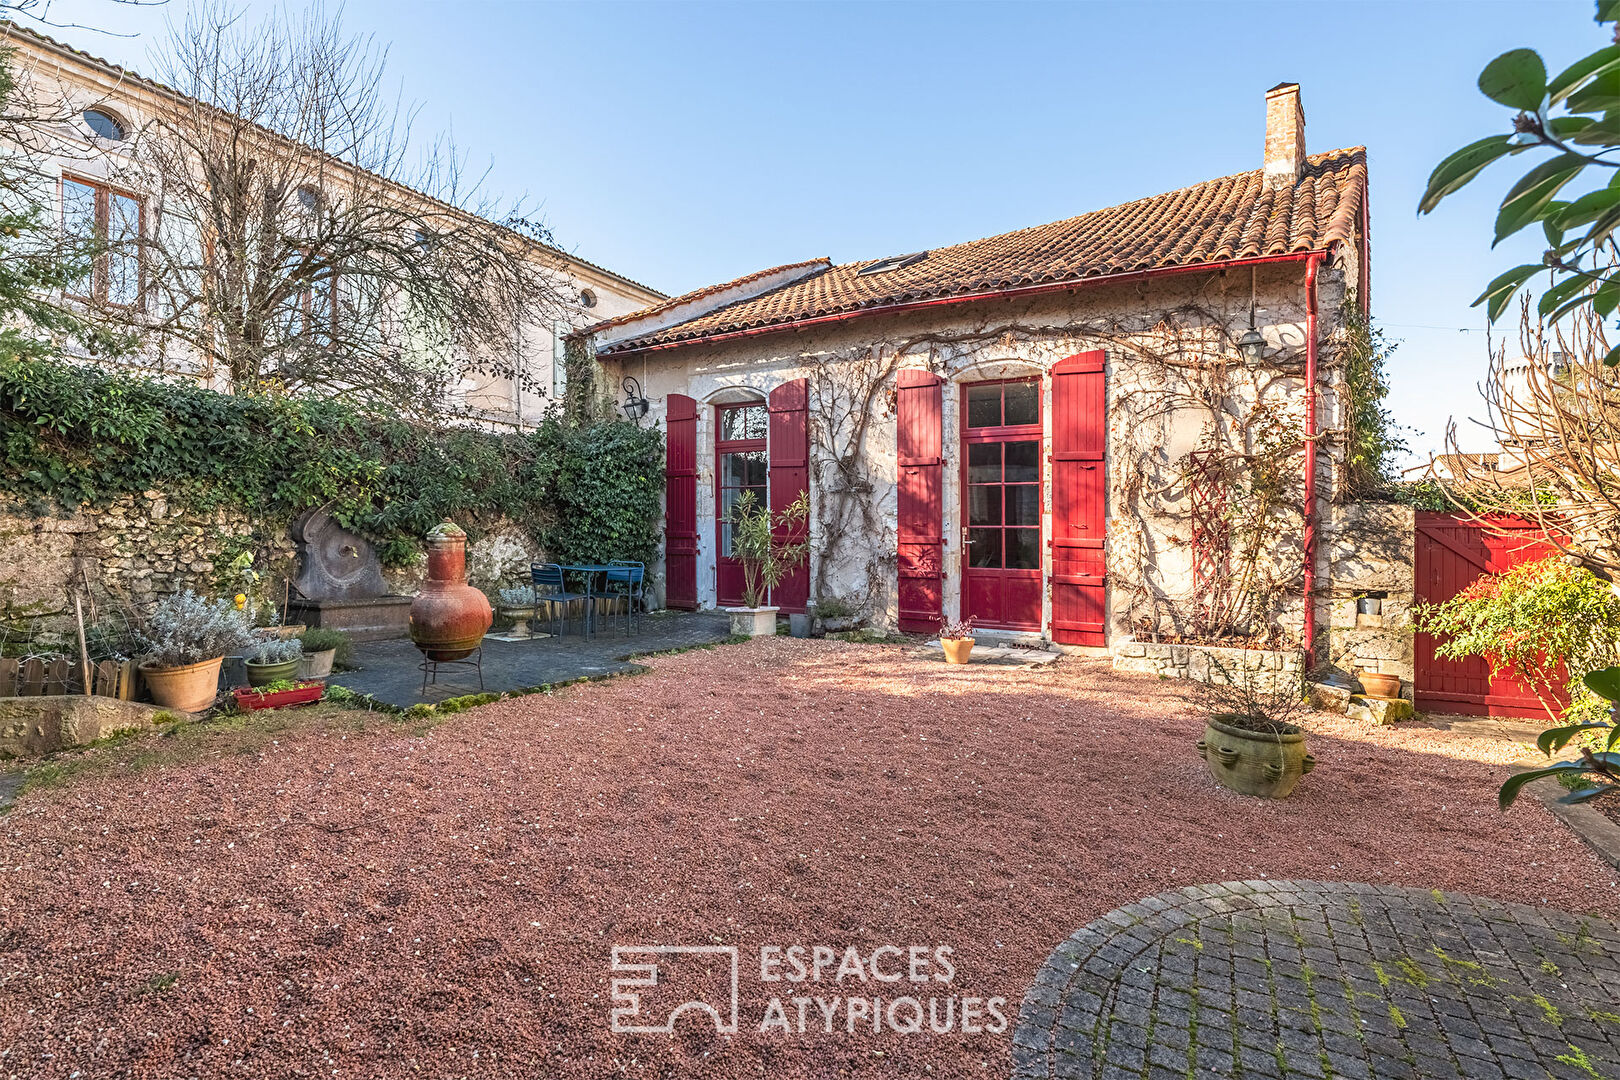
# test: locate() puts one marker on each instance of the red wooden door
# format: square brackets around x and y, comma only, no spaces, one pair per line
[920,462]
[1079,500]
[680,502]
[1001,503]
[790,478]
[740,464]
[1451,553]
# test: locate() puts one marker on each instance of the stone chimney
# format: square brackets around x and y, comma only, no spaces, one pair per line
[1285,136]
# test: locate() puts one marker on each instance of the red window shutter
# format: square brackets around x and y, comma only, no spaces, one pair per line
[1079,501]
[680,502]
[790,478]
[921,500]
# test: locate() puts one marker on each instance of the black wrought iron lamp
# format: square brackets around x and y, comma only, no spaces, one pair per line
[635,402]
[1252,344]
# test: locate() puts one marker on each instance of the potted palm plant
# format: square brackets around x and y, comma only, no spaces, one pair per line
[765,557]
[183,642]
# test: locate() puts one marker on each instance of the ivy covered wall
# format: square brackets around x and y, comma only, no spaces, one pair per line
[140,465]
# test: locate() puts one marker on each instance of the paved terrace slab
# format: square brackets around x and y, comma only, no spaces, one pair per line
[390,672]
[1272,979]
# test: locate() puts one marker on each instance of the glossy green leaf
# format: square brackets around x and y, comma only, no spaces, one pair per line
[1517,79]
[1605,683]
[1588,207]
[1461,167]
[1606,298]
[1512,785]
[1554,739]
[1528,199]
[1585,794]
[1605,59]
[1571,286]
[1607,11]
[1600,95]
[1613,357]
[1500,291]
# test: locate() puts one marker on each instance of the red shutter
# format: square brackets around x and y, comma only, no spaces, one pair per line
[921,500]
[1079,501]
[680,502]
[790,478]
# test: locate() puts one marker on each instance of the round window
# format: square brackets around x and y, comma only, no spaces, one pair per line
[587,298]
[104,125]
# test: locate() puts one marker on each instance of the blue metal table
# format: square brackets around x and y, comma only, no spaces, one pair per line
[589,572]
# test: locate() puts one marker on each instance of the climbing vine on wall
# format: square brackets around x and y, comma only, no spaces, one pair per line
[72,434]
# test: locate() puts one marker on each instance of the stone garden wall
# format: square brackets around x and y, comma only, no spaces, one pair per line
[1367,554]
[137,548]
[1203,663]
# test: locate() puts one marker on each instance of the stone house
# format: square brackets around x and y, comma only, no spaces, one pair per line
[98,109]
[1129,422]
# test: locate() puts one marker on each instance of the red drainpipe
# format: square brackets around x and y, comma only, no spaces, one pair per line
[1311,262]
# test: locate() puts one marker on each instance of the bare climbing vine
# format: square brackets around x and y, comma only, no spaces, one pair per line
[1206,473]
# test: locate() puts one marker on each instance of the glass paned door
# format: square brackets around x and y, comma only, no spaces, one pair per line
[741,465]
[1001,497]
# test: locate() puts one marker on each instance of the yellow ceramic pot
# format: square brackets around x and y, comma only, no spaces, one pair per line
[957,649]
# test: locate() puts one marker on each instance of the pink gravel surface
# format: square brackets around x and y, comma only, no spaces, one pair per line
[385,905]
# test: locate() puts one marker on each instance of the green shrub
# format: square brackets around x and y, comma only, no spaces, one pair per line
[1546,622]
[73,434]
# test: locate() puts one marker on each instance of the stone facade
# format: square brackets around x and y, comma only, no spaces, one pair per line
[1271,669]
[137,548]
[1369,553]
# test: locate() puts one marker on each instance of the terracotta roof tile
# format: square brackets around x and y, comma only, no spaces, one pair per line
[698,294]
[1230,218]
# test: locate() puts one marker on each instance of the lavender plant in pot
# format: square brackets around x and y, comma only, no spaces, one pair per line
[273,661]
[182,642]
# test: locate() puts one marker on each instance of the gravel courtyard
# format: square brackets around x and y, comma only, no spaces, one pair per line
[387,905]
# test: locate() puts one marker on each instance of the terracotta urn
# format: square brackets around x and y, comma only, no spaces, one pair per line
[448,616]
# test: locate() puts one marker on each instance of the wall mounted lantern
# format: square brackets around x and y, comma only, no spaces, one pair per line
[1252,345]
[635,402]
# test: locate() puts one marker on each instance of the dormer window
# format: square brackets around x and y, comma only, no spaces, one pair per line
[104,125]
[884,265]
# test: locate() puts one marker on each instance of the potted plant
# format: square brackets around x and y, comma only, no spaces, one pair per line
[957,639]
[766,557]
[276,695]
[517,603]
[1250,743]
[1378,685]
[320,649]
[183,642]
[273,660]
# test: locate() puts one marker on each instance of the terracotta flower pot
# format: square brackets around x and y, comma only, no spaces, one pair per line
[1380,686]
[191,688]
[957,649]
[448,616]
[265,674]
[1254,762]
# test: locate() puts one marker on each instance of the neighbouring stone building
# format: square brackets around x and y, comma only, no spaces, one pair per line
[1125,426]
[98,110]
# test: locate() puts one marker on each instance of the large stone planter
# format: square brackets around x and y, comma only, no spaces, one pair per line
[1253,762]
[753,622]
[190,688]
[317,665]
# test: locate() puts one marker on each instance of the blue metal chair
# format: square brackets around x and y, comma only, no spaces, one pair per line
[627,580]
[549,589]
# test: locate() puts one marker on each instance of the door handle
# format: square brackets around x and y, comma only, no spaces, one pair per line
[965,540]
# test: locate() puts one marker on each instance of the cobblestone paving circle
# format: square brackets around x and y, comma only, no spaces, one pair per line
[1272,979]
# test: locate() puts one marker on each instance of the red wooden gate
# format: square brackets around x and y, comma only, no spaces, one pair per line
[789,478]
[920,437]
[1451,552]
[680,503]
[1079,500]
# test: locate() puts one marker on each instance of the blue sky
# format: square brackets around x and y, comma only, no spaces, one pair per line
[686,143]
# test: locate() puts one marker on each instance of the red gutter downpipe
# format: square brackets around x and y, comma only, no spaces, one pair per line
[1312,260]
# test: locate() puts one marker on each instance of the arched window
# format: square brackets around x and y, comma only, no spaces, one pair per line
[104,125]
